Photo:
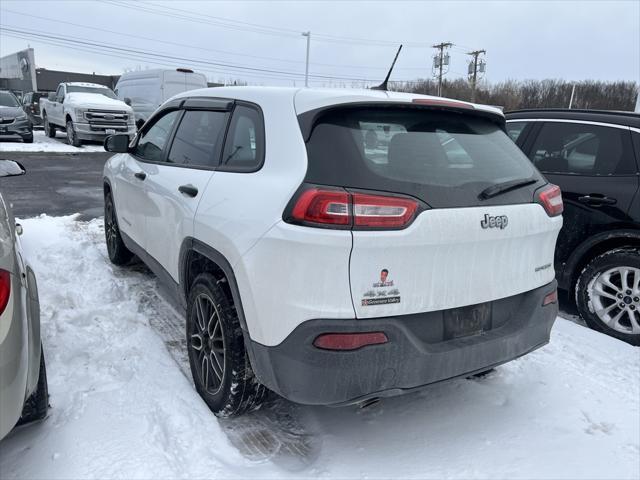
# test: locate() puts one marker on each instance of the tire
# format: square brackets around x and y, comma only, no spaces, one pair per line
[219,362]
[36,406]
[607,302]
[49,130]
[119,254]
[72,136]
[28,139]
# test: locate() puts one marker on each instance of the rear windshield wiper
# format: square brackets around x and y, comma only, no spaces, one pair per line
[499,188]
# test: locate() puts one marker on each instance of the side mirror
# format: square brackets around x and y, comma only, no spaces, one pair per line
[117,143]
[9,168]
[127,100]
[51,96]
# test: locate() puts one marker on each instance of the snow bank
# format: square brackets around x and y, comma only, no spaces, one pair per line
[121,406]
[42,143]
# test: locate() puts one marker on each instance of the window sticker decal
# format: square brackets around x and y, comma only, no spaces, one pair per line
[380,292]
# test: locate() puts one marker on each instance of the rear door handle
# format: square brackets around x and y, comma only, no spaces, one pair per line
[189,190]
[596,200]
[140,175]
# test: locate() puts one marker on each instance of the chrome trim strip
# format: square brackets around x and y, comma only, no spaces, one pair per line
[564,120]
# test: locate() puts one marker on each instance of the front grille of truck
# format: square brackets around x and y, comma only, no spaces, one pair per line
[107,119]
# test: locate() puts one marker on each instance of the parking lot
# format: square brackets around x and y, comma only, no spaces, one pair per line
[122,402]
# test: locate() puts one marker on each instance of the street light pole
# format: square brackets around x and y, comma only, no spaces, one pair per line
[306,67]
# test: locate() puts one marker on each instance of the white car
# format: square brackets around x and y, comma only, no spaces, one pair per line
[85,111]
[325,266]
[146,90]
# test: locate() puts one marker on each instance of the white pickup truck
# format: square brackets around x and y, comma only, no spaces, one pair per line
[86,111]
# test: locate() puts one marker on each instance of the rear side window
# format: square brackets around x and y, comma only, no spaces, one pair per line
[198,139]
[446,159]
[583,149]
[515,129]
[244,146]
[151,144]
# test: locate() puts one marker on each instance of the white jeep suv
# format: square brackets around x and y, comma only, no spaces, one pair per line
[335,246]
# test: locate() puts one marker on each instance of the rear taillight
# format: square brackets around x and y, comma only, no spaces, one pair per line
[5,289]
[550,298]
[338,208]
[349,341]
[326,207]
[382,211]
[550,198]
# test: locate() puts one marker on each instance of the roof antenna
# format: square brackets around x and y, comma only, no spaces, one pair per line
[383,85]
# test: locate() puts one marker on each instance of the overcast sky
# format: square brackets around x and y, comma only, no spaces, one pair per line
[261,42]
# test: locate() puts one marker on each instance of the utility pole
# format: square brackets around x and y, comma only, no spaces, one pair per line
[573,92]
[439,61]
[473,71]
[306,67]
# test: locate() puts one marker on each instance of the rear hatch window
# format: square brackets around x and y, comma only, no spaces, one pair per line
[446,159]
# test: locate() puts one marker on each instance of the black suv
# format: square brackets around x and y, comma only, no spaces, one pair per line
[31,106]
[594,156]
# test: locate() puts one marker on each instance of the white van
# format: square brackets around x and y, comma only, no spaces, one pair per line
[146,90]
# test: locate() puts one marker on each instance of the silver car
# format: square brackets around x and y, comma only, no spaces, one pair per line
[23,378]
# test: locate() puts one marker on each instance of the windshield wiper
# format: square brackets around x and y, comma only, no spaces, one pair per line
[499,188]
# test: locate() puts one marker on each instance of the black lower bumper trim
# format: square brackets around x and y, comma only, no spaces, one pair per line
[417,354]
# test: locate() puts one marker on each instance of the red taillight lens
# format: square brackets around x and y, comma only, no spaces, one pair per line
[318,206]
[551,200]
[349,341]
[382,211]
[550,298]
[5,289]
[323,206]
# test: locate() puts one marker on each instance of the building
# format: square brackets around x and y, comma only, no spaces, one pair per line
[18,74]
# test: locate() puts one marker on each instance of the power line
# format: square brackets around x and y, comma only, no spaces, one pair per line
[197,17]
[72,41]
[199,47]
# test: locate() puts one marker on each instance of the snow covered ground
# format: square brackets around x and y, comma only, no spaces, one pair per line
[123,405]
[42,143]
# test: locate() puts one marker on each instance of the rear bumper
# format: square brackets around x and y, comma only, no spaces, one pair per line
[416,354]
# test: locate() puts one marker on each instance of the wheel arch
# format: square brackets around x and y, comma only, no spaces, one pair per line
[594,246]
[197,257]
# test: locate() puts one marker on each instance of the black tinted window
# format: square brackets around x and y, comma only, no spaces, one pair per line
[515,129]
[198,139]
[583,149]
[244,147]
[444,158]
[153,140]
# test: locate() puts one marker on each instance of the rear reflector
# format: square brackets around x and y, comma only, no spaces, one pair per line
[551,199]
[5,289]
[550,298]
[337,208]
[349,341]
